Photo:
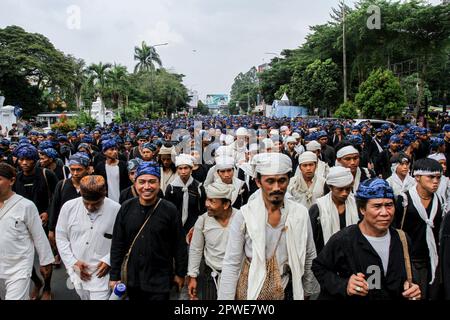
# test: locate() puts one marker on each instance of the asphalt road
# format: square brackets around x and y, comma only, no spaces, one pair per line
[59,285]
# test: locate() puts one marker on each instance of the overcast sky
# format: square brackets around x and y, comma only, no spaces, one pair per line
[210,41]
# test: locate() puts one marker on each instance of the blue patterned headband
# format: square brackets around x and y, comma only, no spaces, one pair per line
[79,159]
[374,189]
[150,167]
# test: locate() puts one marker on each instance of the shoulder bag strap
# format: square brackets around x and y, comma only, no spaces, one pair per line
[142,228]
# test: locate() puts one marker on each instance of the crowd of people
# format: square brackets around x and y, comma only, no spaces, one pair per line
[232,208]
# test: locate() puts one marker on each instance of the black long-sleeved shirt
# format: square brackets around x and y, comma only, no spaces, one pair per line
[196,204]
[159,249]
[64,191]
[37,187]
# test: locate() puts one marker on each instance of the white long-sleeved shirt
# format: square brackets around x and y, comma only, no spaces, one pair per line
[210,240]
[20,232]
[78,238]
[240,244]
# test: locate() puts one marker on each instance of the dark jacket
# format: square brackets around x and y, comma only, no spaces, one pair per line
[160,247]
[348,252]
[294,159]
[196,207]
[42,190]
[383,163]
[329,155]
[252,182]
[124,180]
[314,216]
[64,191]
[201,173]
[242,198]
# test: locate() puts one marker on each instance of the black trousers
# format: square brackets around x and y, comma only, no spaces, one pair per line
[138,294]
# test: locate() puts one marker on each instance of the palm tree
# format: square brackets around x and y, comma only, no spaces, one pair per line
[146,56]
[80,74]
[98,77]
[118,81]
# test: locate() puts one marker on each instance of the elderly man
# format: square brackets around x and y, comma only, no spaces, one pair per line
[419,214]
[348,157]
[307,186]
[83,237]
[367,260]
[186,193]
[20,232]
[145,255]
[272,234]
[336,210]
[209,241]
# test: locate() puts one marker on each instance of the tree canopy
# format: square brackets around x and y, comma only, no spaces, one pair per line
[38,77]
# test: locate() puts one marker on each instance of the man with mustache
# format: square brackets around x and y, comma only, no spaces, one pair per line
[272,234]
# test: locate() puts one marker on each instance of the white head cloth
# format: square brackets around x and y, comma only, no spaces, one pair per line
[345,151]
[272,163]
[339,177]
[296,135]
[224,162]
[268,143]
[219,190]
[291,139]
[313,146]
[437,156]
[229,139]
[241,132]
[307,156]
[184,160]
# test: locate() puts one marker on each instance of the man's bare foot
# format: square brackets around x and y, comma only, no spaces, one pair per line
[36,293]
[47,295]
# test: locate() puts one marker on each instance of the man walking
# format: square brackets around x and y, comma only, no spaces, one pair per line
[83,236]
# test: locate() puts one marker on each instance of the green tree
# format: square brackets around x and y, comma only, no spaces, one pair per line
[244,91]
[381,95]
[346,111]
[80,77]
[30,66]
[202,108]
[318,86]
[410,85]
[147,57]
[118,85]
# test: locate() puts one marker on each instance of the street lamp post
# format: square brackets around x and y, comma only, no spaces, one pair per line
[152,74]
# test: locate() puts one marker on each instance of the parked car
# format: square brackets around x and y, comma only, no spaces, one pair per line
[374,122]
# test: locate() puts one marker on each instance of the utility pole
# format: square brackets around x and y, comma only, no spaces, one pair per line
[344,54]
